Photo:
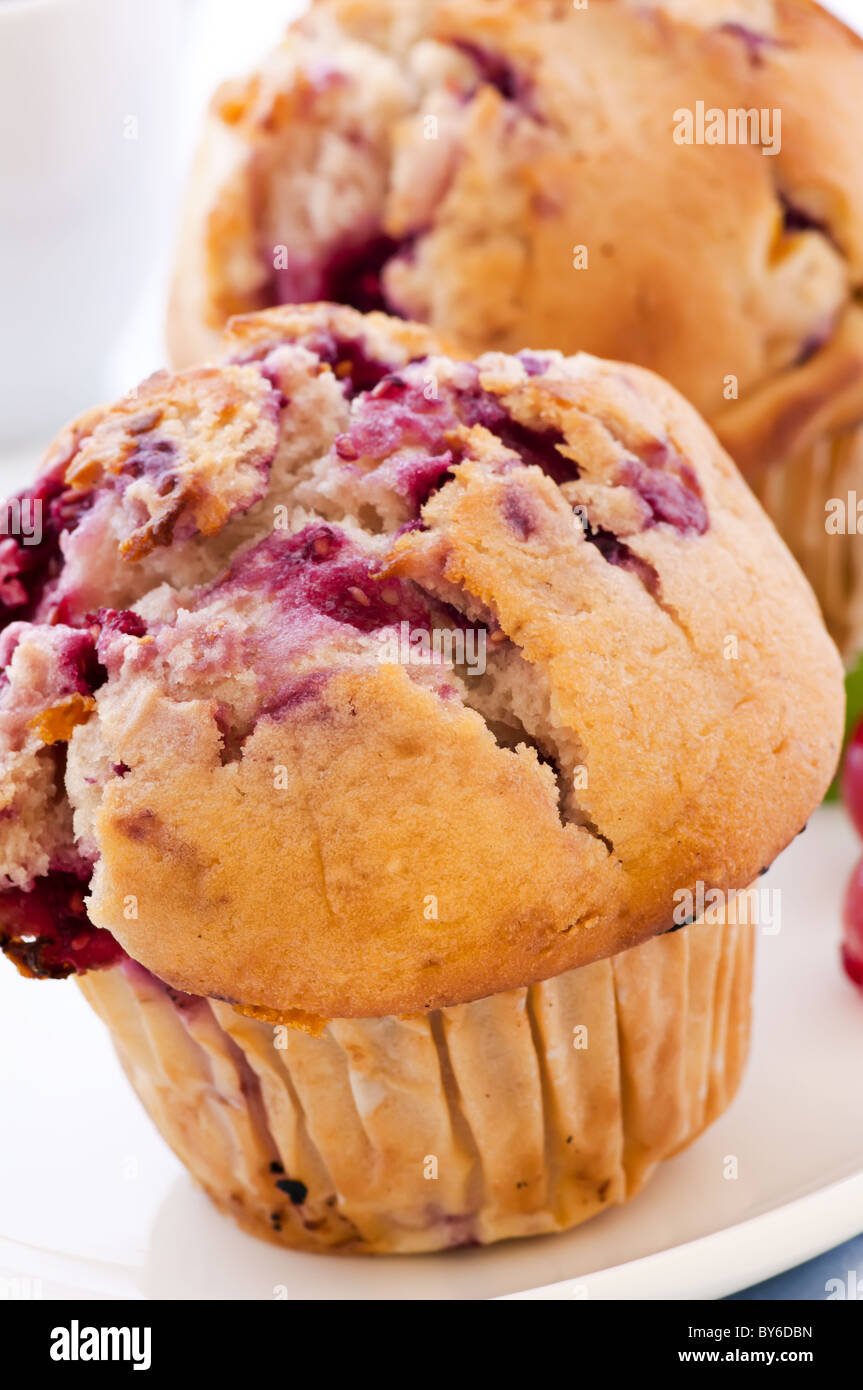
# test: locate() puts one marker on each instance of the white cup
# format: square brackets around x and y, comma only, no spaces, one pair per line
[88,109]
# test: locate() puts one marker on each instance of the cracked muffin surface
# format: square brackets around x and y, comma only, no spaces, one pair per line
[223,710]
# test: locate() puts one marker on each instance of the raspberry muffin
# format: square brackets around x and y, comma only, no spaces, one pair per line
[516,174]
[367,716]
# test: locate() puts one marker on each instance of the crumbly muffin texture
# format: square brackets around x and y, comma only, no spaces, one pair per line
[507,171]
[225,718]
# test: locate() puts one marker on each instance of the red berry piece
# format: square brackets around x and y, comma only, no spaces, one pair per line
[852,778]
[852,941]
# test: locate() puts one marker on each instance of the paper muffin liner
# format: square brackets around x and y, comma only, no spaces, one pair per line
[521,1113]
[795,494]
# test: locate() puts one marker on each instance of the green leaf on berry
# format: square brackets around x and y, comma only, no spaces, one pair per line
[853,714]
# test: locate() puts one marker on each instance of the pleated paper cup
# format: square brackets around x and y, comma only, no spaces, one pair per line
[521,1113]
[801,497]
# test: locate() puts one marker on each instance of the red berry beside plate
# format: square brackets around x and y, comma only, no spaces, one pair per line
[852,796]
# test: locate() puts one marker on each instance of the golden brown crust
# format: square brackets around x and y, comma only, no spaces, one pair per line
[290,813]
[690,271]
[380,813]
[379,334]
[372,848]
[162,439]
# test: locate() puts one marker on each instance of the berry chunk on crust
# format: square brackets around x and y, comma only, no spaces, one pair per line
[437,677]
[184,454]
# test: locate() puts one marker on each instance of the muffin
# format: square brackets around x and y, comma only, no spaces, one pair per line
[521,173]
[375,722]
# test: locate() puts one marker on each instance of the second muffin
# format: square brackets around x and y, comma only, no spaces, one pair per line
[522,173]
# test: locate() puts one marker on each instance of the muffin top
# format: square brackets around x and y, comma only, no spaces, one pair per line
[678,183]
[350,678]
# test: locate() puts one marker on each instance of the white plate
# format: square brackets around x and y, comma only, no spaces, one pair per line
[93,1204]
